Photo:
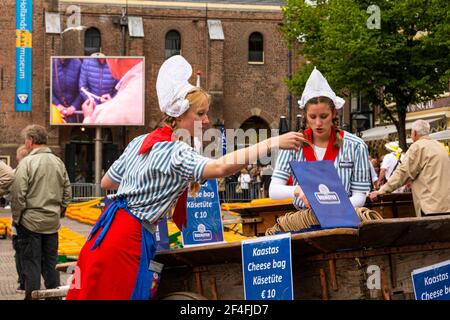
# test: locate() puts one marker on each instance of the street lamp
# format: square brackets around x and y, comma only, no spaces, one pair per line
[360,120]
[298,123]
[283,127]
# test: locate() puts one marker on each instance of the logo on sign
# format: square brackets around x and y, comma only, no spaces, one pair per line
[202,234]
[325,196]
[23,98]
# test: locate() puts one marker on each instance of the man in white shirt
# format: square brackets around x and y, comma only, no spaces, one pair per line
[389,163]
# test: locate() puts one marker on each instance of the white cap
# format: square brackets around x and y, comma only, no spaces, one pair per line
[317,86]
[172,86]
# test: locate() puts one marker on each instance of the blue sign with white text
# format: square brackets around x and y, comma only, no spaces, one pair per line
[162,236]
[432,282]
[24,31]
[267,268]
[204,221]
[326,194]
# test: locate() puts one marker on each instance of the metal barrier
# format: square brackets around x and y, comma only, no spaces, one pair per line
[86,191]
[233,193]
[83,191]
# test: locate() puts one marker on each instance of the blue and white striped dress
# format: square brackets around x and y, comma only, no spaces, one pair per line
[351,163]
[152,182]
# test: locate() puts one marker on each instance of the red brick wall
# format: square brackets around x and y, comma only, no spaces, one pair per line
[223,64]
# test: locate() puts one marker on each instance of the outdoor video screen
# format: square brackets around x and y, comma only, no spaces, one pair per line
[97,91]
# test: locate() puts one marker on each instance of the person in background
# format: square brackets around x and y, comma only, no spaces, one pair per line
[40,195]
[389,163]
[21,153]
[6,178]
[221,186]
[326,142]
[266,177]
[244,180]
[255,182]
[425,165]
[376,165]
[96,81]
[65,90]
[373,172]
[151,177]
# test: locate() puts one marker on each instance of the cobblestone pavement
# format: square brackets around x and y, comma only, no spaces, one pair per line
[8,274]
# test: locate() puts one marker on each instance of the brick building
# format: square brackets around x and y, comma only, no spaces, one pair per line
[235,45]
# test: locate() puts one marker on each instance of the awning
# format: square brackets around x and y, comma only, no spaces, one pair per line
[441,135]
[380,133]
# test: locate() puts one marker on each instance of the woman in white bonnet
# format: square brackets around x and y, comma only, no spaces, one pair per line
[326,142]
[152,176]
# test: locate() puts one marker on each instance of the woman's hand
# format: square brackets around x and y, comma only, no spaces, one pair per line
[88,107]
[289,140]
[105,97]
[70,110]
[298,193]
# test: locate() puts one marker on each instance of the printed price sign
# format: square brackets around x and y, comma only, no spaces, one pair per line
[204,221]
[267,268]
[432,282]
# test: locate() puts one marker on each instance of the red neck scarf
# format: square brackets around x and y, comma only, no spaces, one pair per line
[331,152]
[161,135]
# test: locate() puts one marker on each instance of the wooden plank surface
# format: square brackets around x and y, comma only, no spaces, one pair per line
[393,205]
[405,231]
[284,207]
[59,292]
[201,255]
[321,241]
[324,241]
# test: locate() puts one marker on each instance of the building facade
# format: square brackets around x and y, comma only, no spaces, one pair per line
[234,46]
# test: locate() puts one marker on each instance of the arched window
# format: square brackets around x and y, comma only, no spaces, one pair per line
[256,47]
[173,43]
[92,41]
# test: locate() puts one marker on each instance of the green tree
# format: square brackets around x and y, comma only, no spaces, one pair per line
[396,51]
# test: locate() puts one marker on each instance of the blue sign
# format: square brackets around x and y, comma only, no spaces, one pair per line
[224,139]
[204,221]
[432,282]
[24,31]
[162,236]
[267,268]
[326,194]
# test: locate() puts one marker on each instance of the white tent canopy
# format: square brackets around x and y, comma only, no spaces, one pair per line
[380,133]
[441,135]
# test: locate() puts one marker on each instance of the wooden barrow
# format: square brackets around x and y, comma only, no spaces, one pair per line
[327,264]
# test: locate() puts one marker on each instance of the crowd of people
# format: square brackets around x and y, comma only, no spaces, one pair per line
[250,183]
[382,168]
